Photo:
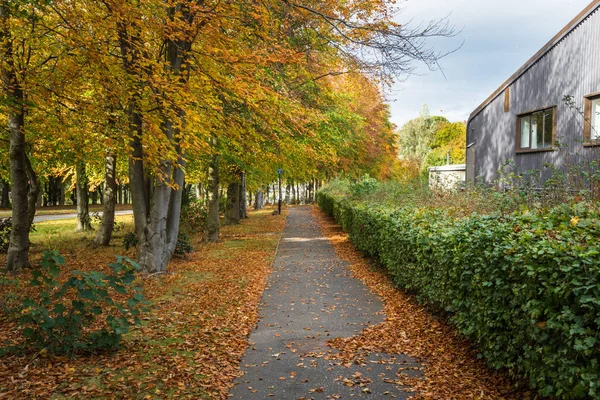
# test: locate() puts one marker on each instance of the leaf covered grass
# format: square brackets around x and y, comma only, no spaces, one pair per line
[192,338]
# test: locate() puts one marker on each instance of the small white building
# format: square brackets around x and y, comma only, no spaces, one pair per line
[447,177]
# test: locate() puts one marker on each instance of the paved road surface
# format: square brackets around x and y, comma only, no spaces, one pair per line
[311,298]
[42,218]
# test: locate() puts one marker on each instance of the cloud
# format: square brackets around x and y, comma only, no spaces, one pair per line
[499,36]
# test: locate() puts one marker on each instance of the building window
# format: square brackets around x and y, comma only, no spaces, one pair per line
[591,128]
[536,130]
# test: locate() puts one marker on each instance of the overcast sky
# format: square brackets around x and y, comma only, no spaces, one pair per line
[499,37]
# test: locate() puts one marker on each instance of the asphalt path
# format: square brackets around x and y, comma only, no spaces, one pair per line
[311,298]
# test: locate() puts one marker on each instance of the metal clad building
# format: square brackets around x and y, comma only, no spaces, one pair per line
[527,120]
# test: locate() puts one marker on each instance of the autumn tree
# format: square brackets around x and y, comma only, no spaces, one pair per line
[24,56]
[449,143]
[212,86]
[416,136]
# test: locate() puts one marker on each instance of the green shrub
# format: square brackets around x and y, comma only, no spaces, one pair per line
[183,245]
[5,230]
[523,286]
[96,218]
[90,311]
[130,240]
[364,185]
[193,217]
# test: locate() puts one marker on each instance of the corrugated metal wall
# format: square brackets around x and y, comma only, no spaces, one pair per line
[572,67]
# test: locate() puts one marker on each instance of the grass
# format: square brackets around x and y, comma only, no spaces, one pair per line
[192,338]
[60,234]
[480,199]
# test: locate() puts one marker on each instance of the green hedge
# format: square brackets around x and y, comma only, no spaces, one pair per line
[524,287]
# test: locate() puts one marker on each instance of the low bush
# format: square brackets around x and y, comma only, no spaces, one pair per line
[5,230]
[523,286]
[96,219]
[193,217]
[130,240]
[183,245]
[365,185]
[89,311]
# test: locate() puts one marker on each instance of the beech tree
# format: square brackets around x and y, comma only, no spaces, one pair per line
[179,86]
[19,36]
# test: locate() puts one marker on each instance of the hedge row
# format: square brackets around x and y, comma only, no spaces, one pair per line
[525,287]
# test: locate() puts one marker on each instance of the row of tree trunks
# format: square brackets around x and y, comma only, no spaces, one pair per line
[53,193]
[237,201]
[123,194]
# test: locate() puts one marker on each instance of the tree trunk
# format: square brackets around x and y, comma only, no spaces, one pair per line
[34,191]
[259,200]
[156,205]
[46,193]
[18,251]
[199,192]
[266,195]
[83,213]
[5,201]
[109,199]
[61,193]
[294,194]
[212,223]
[156,208]
[50,190]
[39,200]
[287,193]
[61,198]
[14,97]
[243,200]
[232,210]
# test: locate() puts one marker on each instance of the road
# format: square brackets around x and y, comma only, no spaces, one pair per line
[42,218]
